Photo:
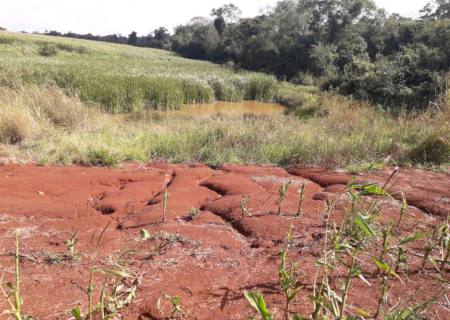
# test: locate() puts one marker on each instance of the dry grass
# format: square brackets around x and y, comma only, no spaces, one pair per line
[61,110]
[47,126]
[27,114]
[16,121]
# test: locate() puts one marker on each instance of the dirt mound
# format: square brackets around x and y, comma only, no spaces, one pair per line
[222,233]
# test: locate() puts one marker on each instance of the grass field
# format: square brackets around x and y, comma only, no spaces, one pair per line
[54,93]
[124,78]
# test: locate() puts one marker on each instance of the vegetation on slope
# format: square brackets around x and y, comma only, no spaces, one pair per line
[53,94]
[350,46]
[121,78]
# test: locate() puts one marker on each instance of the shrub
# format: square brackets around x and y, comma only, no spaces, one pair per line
[16,124]
[60,109]
[433,150]
[195,91]
[48,50]
[164,94]
[72,49]
[16,121]
[101,156]
[228,89]
[261,88]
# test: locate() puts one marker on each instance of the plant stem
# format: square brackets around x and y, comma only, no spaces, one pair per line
[317,306]
[300,198]
[447,256]
[347,285]
[165,199]
[17,300]
[384,290]
[390,177]
[90,291]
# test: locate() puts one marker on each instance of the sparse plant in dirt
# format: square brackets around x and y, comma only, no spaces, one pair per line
[144,234]
[256,300]
[176,310]
[414,312]
[193,213]
[245,210]
[348,243]
[12,293]
[289,278]
[118,288]
[301,197]
[161,241]
[430,246]
[282,192]
[403,209]
[444,244]
[165,201]
[70,245]
[370,189]
[389,179]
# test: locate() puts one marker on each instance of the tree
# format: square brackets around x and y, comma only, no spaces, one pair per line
[224,15]
[437,9]
[132,38]
[162,38]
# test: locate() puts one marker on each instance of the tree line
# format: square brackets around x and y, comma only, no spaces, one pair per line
[350,46]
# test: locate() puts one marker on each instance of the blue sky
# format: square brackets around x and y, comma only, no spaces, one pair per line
[113,16]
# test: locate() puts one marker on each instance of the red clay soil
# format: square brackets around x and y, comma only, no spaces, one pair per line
[208,261]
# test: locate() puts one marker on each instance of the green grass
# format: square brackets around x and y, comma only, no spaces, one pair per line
[54,91]
[124,78]
[341,137]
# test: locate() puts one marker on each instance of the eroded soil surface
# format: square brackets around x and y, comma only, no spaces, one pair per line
[208,260]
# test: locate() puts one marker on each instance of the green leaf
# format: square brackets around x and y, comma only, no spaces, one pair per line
[256,300]
[416,236]
[145,235]
[361,222]
[385,267]
[370,189]
[362,313]
[76,313]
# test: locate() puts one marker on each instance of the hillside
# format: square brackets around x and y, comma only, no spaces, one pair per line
[128,191]
[55,91]
[121,77]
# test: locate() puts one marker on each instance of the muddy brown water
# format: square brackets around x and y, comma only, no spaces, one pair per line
[238,108]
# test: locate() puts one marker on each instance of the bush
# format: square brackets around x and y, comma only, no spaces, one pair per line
[60,109]
[72,49]
[433,150]
[261,88]
[101,156]
[293,96]
[48,50]
[228,89]
[16,122]
[195,91]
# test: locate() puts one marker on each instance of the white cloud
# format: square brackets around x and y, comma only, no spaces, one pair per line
[113,16]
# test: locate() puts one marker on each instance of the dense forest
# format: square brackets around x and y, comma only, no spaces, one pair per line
[350,46]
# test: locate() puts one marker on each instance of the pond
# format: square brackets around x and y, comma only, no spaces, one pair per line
[238,108]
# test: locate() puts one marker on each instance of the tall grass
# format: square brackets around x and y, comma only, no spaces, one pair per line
[123,78]
[346,134]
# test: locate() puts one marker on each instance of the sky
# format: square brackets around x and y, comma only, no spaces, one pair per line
[118,16]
